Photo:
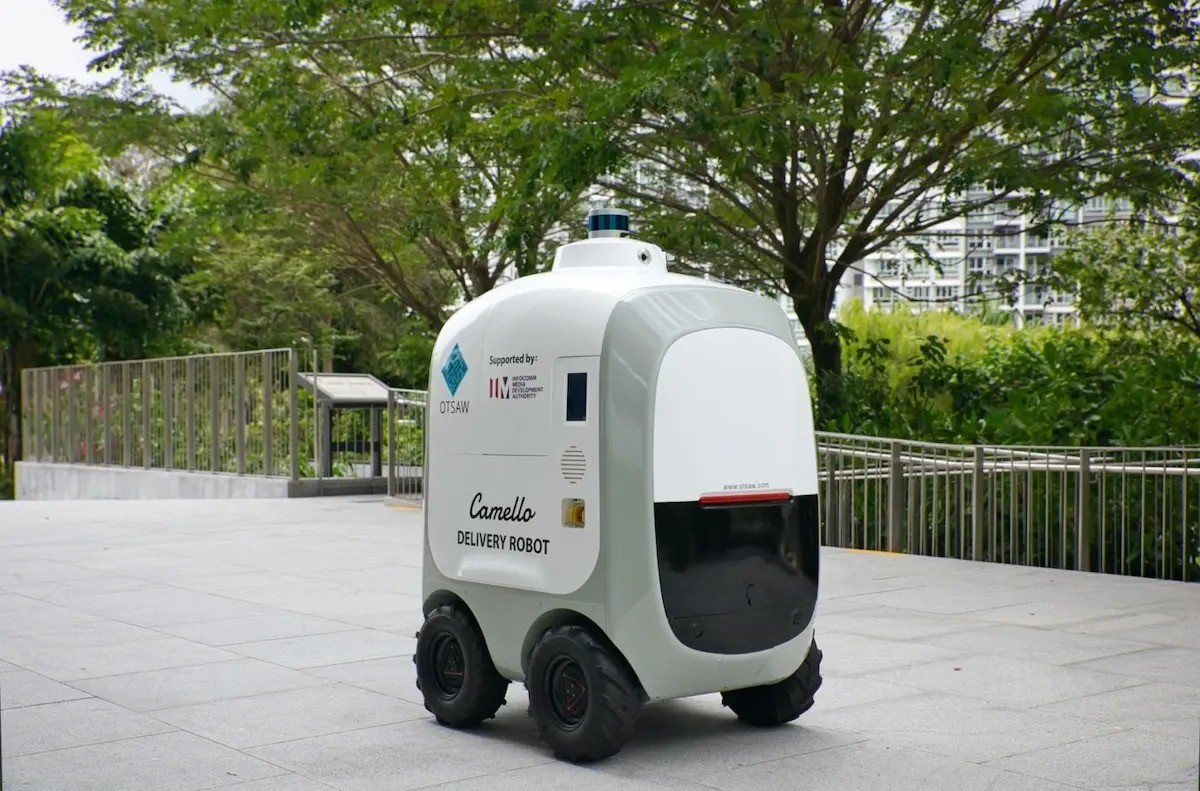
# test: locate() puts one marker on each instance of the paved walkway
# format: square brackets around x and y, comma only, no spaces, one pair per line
[264,646]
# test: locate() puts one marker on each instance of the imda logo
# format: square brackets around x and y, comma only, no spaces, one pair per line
[498,387]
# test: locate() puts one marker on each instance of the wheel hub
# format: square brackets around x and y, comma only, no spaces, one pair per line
[567,692]
[448,666]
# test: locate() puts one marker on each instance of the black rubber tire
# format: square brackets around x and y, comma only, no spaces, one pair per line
[610,694]
[776,704]
[449,634]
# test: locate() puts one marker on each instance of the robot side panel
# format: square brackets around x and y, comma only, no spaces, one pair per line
[527,522]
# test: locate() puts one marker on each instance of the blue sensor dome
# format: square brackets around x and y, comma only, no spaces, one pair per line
[607,222]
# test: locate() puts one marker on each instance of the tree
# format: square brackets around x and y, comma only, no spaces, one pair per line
[396,155]
[779,142]
[1136,276]
[80,274]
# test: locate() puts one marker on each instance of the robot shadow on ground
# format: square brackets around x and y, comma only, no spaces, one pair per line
[689,729]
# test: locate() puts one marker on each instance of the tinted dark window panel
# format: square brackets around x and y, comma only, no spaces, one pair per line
[577,397]
[738,579]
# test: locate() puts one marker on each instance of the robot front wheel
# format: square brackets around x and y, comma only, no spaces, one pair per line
[455,674]
[775,704]
[583,697]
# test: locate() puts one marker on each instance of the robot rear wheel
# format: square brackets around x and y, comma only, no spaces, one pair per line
[583,697]
[775,704]
[455,673]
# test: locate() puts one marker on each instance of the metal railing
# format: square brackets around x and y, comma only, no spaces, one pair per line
[241,413]
[406,442]
[223,413]
[1132,511]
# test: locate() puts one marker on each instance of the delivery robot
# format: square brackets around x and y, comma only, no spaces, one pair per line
[620,500]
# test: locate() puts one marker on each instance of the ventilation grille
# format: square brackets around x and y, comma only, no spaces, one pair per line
[574,464]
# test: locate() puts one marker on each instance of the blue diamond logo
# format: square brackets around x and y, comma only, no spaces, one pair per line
[455,370]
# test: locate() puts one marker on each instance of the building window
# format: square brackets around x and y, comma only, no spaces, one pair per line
[1008,238]
[979,265]
[979,240]
[946,293]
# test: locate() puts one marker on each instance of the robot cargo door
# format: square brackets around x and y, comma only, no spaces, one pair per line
[735,511]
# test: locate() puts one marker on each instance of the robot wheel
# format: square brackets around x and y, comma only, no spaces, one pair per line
[582,695]
[455,674]
[775,704]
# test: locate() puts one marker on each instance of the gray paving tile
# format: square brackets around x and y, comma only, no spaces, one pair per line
[67,589]
[231,583]
[39,570]
[75,723]
[256,628]
[295,714]
[1002,680]
[175,761]
[287,782]
[1173,633]
[1132,757]
[164,605]
[698,737]
[1168,665]
[29,616]
[395,676]
[840,691]
[890,623]
[185,686]
[1047,613]
[8,667]
[957,727]
[1047,646]
[410,755]
[25,688]
[329,649]
[612,775]
[933,599]
[852,654]
[875,765]
[1167,708]
[116,659]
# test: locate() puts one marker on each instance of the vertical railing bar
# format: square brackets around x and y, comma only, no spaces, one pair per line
[88,405]
[214,417]
[1083,559]
[106,402]
[239,405]
[189,402]
[294,414]
[168,388]
[147,440]
[1183,512]
[268,417]
[127,414]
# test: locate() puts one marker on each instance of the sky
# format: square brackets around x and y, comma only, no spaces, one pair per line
[35,33]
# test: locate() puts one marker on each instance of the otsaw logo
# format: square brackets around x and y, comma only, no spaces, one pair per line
[498,387]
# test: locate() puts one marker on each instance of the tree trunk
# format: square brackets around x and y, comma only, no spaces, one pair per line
[21,355]
[813,305]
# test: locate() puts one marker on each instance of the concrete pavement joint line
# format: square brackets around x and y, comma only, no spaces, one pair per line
[101,743]
[361,729]
[155,712]
[260,780]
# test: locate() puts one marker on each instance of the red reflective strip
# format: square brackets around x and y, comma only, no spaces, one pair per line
[745,497]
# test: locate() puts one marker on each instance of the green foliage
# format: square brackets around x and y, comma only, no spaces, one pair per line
[82,275]
[1138,277]
[401,157]
[777,143]
[942,377]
